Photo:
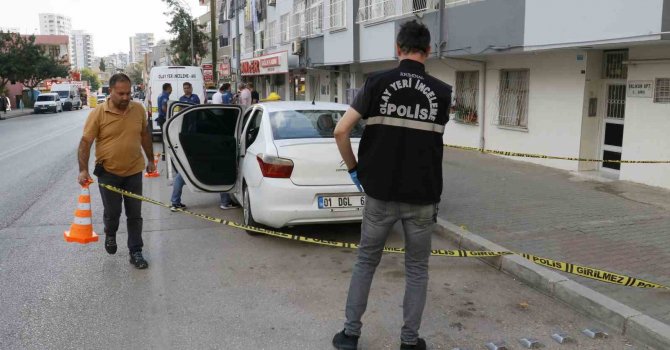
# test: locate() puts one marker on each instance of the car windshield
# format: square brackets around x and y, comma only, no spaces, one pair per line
[63,94]
[45,98]
[308,124]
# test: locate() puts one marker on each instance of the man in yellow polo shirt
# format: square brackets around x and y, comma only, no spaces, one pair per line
[119,128]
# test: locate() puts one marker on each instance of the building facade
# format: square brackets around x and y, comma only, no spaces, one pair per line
[57,24]
[141,44]
[564,78]
[83,55]
[160,55]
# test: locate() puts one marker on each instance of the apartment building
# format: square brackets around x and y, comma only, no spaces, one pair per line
[566,78]
[83,55]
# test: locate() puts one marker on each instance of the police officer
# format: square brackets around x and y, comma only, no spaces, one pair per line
[163,99]
[189,97]
[400,168]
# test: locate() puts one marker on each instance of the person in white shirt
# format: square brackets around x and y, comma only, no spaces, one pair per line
[217,98]
[245,96]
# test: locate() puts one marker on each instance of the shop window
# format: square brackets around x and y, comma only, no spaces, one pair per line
[662,90]
[513,102]
[466,97]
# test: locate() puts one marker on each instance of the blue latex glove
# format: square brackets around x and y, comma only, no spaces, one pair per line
[354,178]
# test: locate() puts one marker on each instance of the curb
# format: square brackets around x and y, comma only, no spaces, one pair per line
[624,319]
[17,115]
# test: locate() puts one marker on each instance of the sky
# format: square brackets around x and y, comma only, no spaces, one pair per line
[110,22]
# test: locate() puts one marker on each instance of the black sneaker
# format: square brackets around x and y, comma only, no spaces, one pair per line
[138,261]
[341,341]
[110,244]
[178,206]
[420,345]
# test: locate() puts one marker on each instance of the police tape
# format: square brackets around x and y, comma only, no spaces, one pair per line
[583,271]
[542,156]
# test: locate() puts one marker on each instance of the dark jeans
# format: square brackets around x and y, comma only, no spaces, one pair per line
[112,203]
[378,219]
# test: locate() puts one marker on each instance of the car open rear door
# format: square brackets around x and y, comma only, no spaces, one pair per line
[203,142]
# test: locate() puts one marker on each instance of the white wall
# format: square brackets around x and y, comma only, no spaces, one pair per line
[591,139]
[556,95]
[568,21]
[647,123]
[377,42]
[338,46]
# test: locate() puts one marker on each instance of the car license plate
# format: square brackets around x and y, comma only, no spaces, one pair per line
[43,107]
[331,202]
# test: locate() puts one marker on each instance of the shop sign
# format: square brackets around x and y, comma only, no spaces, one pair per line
[640,88]
[276,63]
[208,73]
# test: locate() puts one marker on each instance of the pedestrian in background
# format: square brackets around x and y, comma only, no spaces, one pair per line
[227,97]
[163,99]
[245,96]
[3,103]
[120,132]
[255,97]
[188,96]
[217,98]
[400,168]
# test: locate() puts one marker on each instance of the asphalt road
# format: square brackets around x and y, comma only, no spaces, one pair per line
[214,287]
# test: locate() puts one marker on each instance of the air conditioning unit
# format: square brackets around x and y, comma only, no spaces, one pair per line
[272,2]
[296,47]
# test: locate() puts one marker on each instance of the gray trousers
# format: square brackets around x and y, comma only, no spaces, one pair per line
[379,217]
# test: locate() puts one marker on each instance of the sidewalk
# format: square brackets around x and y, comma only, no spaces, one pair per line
[15,113]
[617,226]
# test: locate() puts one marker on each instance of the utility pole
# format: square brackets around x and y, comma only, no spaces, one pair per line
[238,47]
[215,39]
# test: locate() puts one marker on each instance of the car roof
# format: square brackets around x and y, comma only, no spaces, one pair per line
[301,105]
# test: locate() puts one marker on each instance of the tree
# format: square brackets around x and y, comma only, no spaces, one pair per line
[11,47]
[102,65]
[134,71]
[182,25]
[42,67]
[92,78]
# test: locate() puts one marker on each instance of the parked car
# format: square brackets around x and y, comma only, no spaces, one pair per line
[279,160]
[49,102]
[101,98]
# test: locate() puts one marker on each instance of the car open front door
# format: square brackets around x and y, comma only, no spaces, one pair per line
[202,141]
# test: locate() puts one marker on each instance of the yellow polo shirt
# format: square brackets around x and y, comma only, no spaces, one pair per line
[118,138]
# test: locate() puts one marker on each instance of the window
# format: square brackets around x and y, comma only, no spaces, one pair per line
[466,97]
[514,98]
[259,40]
[308,124]
[314,18]
[374,10]
[297,26]
[284,29]
[614,67]
[337,14]
[271,35]
[253,128]
[662,90]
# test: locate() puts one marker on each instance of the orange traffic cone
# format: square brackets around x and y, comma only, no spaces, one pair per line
[81,230]
[155,173]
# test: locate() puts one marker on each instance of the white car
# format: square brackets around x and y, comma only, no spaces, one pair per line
[49,102]
[101,98]
[278,159]
[210,93]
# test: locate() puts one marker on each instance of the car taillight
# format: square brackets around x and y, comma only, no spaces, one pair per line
[275,167]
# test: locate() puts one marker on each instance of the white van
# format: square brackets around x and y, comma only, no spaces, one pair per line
[69,95]
[176,76]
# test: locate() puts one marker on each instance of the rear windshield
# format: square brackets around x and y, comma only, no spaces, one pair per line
[308,124]
[45,98]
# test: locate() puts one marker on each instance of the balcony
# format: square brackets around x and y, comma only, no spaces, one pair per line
[378,10]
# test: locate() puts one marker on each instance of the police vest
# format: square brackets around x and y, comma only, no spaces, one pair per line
[400,153]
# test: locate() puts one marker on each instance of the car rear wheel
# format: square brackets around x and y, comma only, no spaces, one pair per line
[248,215]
